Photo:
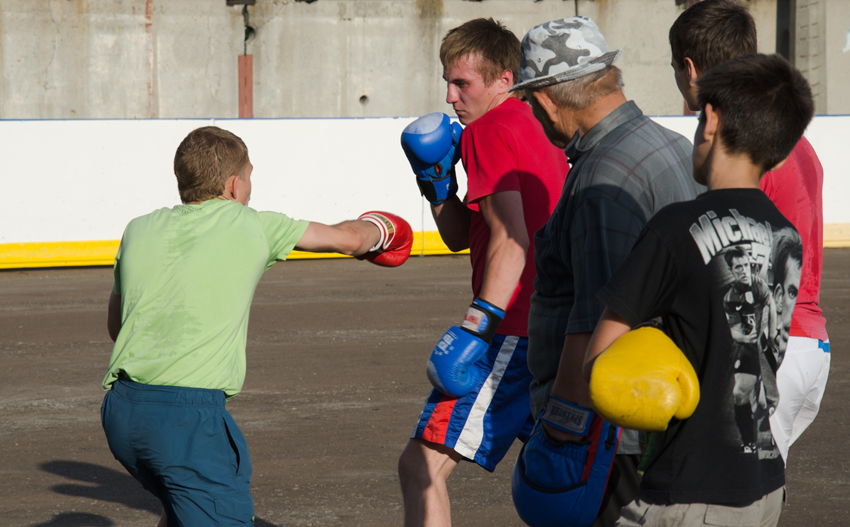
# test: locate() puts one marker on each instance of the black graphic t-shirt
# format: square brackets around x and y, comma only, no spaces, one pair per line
[722,272]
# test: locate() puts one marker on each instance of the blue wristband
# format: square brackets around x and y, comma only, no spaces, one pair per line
[567,416]
[489,307]
[482,318]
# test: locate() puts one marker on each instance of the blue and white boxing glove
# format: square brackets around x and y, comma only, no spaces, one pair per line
[431,144]
[562,483]
[451,367]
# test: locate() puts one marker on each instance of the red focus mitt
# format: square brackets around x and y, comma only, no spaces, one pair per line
[393,248]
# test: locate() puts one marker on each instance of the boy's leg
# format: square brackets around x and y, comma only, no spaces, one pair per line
[762,513]
[188,444]
[116,414]
[207,477]
[634,514]
[622,488]
[479,427]
[772,505]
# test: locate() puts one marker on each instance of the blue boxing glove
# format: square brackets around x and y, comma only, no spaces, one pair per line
[431,145]
[451,367]
[562,483]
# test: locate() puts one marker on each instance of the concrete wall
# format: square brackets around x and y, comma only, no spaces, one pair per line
[104,59]
[837,56]
[71,186]
[810,48]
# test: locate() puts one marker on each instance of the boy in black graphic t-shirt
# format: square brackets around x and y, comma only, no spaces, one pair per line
[713,271]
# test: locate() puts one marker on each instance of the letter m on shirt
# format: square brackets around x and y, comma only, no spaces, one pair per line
[707,240]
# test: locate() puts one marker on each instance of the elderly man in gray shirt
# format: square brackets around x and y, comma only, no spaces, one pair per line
[625,167]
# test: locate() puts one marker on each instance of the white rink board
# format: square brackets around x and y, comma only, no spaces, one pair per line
[76,180]
[829,135]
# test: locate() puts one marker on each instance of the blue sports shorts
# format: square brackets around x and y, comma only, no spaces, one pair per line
[482,425]
[182,445]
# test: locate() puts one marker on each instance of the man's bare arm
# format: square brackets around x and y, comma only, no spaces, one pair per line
[453,218]
[580,350]
[506,252]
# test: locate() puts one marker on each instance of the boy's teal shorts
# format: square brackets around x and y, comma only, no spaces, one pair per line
[184,447]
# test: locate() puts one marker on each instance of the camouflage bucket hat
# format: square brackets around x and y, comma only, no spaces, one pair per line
[562,50]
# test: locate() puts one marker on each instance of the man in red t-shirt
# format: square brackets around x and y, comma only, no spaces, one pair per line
[515,177]
[796,190]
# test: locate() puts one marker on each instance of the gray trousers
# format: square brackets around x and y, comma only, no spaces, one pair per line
[762,513]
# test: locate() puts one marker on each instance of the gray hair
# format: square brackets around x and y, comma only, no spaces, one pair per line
[580,93]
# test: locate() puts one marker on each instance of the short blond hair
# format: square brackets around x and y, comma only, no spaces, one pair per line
[204,161]
[495,45]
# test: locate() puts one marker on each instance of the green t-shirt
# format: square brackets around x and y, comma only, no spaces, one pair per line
[186,277]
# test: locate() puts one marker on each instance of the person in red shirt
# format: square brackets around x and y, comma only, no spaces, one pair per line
[515,177]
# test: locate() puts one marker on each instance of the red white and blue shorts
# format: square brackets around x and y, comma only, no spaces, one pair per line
[482,425]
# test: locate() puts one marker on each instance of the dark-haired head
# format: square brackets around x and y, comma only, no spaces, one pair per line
[712,32]
[764,103]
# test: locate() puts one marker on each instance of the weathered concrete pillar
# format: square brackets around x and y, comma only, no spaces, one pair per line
[810,48]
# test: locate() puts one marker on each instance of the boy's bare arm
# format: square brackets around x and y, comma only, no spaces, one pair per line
[610,327]
[353,238]
[113,317]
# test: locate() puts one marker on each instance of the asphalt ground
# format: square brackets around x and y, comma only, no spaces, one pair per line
[336,359]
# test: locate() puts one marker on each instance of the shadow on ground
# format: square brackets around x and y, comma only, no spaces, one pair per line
[103,484]
[77,519]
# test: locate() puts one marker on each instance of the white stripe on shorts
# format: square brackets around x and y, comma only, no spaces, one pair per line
[473,430]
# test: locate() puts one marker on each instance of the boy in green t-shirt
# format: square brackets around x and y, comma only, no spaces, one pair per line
[184,280]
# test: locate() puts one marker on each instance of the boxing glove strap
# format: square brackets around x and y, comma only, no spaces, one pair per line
[385,225]
[567,416]
[482,318]
[428,186]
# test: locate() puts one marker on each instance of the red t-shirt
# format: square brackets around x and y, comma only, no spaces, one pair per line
[506,149]
[796,190]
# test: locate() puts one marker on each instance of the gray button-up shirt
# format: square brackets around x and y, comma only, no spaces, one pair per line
[624,170]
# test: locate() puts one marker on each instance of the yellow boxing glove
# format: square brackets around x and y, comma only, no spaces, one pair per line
[643,380]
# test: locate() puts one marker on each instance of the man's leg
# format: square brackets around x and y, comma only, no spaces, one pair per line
[480,426]
[801,381]
[811,407]
[423,469]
